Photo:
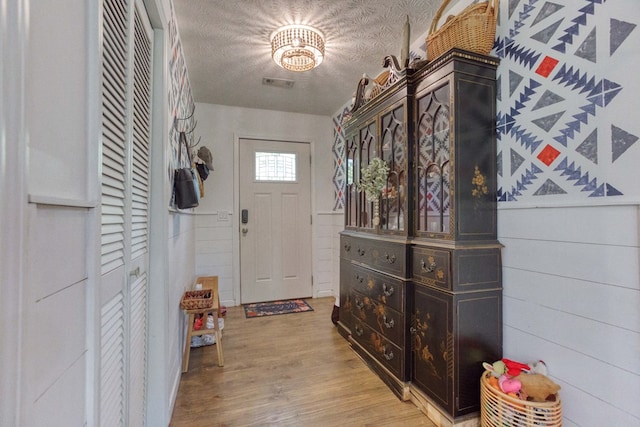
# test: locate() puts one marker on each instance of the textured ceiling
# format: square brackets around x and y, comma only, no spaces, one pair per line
[227,51]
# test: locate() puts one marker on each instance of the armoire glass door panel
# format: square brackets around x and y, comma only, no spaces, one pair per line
[433,155]
[368,150]
[437,181]
[394,154]
[351,190]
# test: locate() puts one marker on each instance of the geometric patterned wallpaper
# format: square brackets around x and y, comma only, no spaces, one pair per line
[180,99]
[563,123]
[339,156]
[568,110]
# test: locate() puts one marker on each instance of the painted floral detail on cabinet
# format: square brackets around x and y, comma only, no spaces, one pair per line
[479,182]
[429,351]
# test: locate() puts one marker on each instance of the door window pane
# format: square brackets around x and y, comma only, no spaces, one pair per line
[275,166]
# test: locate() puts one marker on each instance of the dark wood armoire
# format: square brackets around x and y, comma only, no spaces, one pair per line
[420,269]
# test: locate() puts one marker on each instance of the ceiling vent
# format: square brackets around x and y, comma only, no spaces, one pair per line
[268,81]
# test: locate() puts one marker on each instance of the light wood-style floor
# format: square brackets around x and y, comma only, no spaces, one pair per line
[286,370]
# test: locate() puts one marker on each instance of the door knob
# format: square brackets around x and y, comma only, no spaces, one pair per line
[244,230]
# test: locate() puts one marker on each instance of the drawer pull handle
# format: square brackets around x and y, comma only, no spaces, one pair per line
[387,355]
[388,324]
[361,251]
[347,247]
[359,304]
[390,259]
[413,330]
[358,330]
[386,290]
[432,266]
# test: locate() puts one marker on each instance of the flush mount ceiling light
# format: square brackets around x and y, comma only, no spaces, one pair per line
[297,47]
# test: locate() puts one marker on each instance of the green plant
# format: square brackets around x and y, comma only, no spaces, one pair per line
[373,178]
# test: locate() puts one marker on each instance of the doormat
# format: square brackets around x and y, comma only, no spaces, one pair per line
[272,308]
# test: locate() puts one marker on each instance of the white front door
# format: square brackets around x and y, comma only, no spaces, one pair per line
[275,220]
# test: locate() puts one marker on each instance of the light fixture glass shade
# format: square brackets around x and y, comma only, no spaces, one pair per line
[297,47]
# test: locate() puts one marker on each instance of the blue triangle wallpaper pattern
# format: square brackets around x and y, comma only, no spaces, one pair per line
[557,126]
[567,122]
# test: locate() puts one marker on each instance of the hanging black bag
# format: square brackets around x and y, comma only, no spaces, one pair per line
[203,171]
[183,180]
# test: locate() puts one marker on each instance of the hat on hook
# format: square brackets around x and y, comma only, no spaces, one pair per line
[206,157]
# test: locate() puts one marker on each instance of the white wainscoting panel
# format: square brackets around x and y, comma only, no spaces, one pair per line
[56,337]
[64,400]
[609,264]
[571,296]
[57,237]
[214,253]
[181,255]
[586,224]
[326,253]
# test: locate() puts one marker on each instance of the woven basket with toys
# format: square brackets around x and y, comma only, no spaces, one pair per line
[513,394]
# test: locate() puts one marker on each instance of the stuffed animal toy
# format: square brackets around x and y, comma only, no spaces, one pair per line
[538,367]
[197,324]
[515,368]
[538,387]
[509,385]
[493,382]
[497,369]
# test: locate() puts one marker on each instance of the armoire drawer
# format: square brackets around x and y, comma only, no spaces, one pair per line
[378,316]
[379,287]
[347,250]
[389,257]
[386,352]
[431,267]
[467,270]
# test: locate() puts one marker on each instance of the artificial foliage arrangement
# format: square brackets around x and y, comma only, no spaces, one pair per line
[373,178]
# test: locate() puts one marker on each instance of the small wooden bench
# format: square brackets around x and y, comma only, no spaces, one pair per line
[208,282]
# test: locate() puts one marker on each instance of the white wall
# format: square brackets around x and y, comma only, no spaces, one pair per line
[571,258]
[53,319]
[181,256]
[172,249]
[50,221]
[571,298]
[12,206]
[216,240]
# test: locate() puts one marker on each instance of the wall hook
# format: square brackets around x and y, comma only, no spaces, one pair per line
[193,110]
[192,128]
[176,119]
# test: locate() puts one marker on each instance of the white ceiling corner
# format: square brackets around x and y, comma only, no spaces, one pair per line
[227,51]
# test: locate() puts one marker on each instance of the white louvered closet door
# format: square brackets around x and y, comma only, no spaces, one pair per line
[126,135]
[141,138]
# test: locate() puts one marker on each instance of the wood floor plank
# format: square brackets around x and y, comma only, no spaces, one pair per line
[286,370]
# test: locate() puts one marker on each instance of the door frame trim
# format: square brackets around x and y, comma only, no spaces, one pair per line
[301,139]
